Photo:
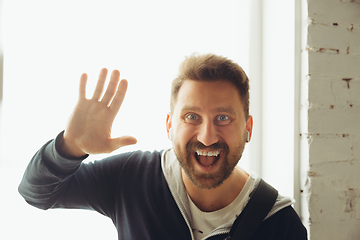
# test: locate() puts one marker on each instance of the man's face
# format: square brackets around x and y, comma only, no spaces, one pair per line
[208,130]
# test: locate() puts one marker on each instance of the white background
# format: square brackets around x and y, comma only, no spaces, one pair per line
[48,44]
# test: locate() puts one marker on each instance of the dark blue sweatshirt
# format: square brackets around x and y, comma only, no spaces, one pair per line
[132,190]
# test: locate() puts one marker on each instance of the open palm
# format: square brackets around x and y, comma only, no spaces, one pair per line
[89,127]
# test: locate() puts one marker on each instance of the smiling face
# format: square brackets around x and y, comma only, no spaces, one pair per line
[209,131]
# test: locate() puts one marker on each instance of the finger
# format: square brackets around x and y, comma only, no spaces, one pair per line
[119,96]
[82,87]
[116,143]
[100,84]
[112,87]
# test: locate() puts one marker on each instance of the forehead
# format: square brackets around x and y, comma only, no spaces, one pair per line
[208,95]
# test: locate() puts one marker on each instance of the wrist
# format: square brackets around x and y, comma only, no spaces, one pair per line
[67,149]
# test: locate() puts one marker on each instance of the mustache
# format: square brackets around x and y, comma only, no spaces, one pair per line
[195,145]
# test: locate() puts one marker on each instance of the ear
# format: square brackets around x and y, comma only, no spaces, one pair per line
[168,125]
[249,127]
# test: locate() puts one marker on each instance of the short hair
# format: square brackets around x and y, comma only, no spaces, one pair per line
[211,67]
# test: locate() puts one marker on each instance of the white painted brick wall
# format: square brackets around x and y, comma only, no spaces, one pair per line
[333,187]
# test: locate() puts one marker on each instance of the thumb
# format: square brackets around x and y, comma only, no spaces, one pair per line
[119,142]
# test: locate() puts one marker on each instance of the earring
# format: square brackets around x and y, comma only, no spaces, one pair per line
[248,136]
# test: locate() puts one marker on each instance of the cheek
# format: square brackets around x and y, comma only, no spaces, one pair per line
[232,136]
[183,133]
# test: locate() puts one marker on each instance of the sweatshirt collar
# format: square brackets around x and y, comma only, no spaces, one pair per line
[172,172]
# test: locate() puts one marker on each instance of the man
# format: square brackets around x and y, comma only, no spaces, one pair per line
[193,191]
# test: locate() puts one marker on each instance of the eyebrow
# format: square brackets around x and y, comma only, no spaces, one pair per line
[228,110]
[189,108]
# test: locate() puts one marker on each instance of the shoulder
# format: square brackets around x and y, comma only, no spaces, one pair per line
[284,224]
[132,158]
[124,164]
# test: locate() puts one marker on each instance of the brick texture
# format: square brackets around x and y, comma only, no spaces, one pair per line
[333,186]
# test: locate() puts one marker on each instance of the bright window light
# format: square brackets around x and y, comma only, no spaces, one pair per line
[49,44]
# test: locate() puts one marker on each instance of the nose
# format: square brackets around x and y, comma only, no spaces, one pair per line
[207,134]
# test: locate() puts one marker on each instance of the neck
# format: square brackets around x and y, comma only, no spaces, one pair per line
[209,200]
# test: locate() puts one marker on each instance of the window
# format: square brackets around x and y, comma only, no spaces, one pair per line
[48,44]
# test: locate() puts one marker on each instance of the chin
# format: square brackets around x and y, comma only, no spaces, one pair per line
[209,177]
[207,180]
[206,183]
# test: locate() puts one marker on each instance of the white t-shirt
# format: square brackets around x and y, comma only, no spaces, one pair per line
[203,223]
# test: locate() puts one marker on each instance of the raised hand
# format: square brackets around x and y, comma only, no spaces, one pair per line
[89,127]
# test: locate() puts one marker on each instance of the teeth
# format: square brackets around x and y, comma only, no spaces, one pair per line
[210,154]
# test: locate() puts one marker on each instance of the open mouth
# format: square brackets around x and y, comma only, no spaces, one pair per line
[207,158]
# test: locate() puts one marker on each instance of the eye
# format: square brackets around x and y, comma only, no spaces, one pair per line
[222,120]
[192,118]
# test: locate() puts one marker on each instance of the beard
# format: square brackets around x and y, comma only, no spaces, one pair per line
[205,180]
